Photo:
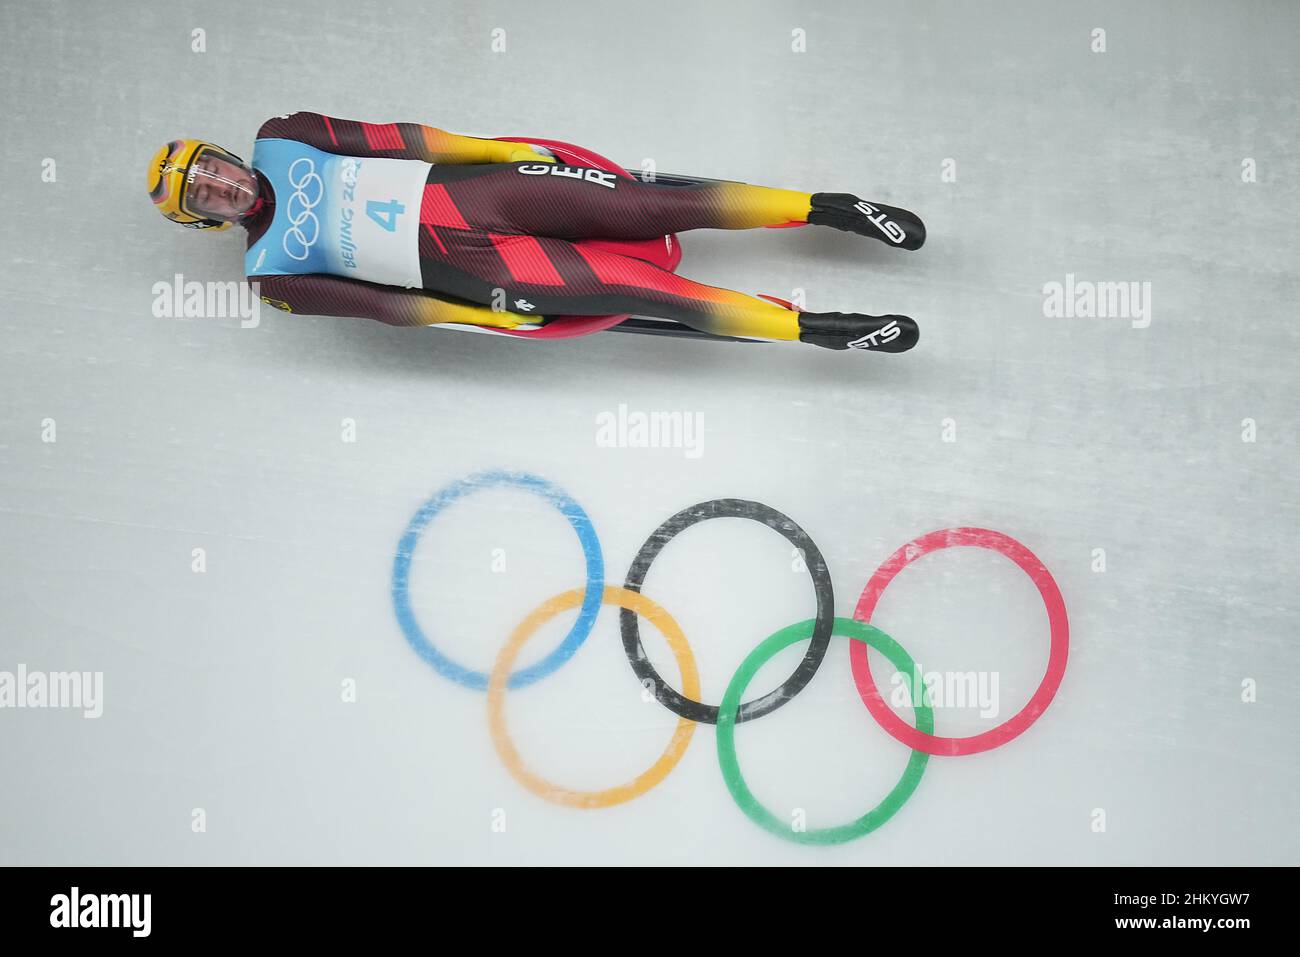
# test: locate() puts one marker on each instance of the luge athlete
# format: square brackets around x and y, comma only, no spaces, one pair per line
[414,226]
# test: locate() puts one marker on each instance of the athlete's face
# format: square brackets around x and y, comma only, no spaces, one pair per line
[220,189]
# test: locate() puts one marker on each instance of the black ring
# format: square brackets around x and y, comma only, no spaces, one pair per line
[821,635]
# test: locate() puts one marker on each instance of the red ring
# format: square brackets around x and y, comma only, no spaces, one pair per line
[1056,617]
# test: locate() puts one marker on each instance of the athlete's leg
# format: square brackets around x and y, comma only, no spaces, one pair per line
[541,276]
[575,203]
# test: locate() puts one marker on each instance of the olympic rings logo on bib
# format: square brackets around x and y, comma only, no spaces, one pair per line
[299,208]
[731,711]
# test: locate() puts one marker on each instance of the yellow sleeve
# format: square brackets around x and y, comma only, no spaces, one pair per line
[395,140]
[444,147]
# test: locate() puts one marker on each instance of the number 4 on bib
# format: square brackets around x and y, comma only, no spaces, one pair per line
[385,214]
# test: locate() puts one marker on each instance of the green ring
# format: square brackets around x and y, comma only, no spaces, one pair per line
[878,815]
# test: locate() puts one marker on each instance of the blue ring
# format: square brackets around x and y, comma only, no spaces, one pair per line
[590,602]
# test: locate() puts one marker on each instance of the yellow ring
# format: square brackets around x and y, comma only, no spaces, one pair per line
[496,694]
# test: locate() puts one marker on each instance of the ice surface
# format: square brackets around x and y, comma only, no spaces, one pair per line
[223,689]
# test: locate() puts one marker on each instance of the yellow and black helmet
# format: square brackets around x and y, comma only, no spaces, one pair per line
[172,170]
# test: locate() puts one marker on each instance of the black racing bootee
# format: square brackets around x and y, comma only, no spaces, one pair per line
[847,330]
[889,224]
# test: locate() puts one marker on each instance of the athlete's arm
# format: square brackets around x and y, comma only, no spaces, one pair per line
[317,294]
[395,140]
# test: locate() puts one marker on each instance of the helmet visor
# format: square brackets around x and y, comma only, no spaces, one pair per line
[219,186]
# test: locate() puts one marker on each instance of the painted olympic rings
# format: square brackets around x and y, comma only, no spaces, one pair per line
[638,604]
[878,815]
[825,595]
[411,537]
[685,704]
[1058,652]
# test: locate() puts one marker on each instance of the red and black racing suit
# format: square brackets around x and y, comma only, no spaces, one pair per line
[486,228]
